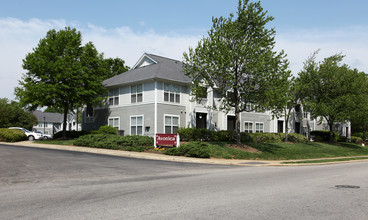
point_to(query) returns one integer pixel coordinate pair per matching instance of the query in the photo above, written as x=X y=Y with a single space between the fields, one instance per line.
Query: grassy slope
x=289 y=151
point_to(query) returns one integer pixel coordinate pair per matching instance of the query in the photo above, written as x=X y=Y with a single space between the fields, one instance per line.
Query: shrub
x=106 y=129
x=357 y=134
x=223 y=136
x=12 y=135
x=111 y=141
x=356 y=140
x=193 y=149
x=321 y=136
x=71 y=134
x=266 y=137
x=296 y=138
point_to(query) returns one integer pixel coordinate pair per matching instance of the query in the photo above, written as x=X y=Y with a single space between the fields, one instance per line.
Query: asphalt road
x=53 y=184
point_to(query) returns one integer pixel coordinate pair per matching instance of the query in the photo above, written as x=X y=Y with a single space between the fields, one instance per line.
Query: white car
x=45 y=136
x=30 y=135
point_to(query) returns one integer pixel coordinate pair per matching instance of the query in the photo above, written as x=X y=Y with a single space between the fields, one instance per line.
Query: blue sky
x=128 y=28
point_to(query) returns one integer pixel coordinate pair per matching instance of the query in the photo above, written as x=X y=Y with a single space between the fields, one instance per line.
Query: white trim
x=113 y=121
x=155 y=113
x=130 y=123
x=142 y=57
x=170 y=115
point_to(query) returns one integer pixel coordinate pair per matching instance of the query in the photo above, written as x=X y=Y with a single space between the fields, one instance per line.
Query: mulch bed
x=243 y=147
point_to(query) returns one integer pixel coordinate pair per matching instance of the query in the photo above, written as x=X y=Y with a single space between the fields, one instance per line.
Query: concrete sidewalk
x=154 y=156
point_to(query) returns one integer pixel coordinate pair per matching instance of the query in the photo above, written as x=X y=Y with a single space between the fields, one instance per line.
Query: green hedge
x=12 y=135
x=194 y=149
x=194 y=134
x=324 y=136
x=106 y=129
x=296 y=138
x=111 y=141
x=71 y=134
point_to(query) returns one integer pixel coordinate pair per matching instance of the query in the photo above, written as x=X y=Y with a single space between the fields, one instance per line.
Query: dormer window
x=171 y=93
x=136 y=93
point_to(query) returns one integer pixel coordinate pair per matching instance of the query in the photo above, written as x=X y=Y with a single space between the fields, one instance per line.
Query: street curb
x=152 y=156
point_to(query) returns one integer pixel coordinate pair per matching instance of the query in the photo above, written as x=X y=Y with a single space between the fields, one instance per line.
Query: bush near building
x=12 y=135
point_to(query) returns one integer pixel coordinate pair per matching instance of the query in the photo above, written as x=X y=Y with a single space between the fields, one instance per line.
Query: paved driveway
x=52 y=184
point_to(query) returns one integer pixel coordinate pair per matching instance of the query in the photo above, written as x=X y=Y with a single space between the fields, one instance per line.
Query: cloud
x=350 y=41
x=18 y=37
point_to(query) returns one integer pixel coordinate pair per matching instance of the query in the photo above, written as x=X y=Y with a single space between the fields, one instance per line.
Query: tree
x=63 y=74
x=12 y=115
x=359 y=107
x=328 y=89
x=237 y=61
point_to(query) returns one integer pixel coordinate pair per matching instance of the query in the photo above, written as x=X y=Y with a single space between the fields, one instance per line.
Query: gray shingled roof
x=50 y=116
x=165 y=69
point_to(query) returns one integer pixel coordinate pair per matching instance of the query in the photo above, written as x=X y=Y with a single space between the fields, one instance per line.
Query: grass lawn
x=289 y=151
x=59 y=142
x=274 y=151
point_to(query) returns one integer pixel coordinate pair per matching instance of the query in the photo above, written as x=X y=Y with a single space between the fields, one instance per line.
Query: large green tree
x=63 y=74
x=359 y=105
x=238 y=61
x=13 y=115
x=328 y=89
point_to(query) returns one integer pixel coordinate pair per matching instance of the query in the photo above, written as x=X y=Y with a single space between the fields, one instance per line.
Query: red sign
x=167 y=140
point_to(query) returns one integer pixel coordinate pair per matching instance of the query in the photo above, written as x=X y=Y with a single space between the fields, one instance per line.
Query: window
x=248 y=127
x=136 y=125
x=305 y=114
x=249 y=107
x=40 y=125
x=114 y=122
x=136 y=93
x=171 y=93
x=114 y=96
x=171 y=124
x=259 y=127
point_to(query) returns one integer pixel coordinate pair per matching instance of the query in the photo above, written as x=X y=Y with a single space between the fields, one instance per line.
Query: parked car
x=45 y=136
x=30 y=135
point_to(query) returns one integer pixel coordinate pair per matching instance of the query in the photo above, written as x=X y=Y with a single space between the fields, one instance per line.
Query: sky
x=129 y=28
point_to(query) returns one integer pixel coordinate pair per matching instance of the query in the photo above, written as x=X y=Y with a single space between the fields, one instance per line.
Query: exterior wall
x=257 y=118
x=169 y=110
x=125 y=113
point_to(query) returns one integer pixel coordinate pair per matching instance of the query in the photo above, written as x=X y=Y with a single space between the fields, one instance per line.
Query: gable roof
x=161 y=68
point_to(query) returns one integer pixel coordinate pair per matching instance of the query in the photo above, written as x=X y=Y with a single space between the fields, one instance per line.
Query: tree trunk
x=237 y=126
x=331 y=132
x=287 y=115
x=65 y=119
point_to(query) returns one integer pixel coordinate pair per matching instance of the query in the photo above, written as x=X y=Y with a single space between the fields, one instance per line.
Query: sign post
x=172 y=140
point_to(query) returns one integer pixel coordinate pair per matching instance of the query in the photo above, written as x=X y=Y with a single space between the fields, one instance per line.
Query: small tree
x=63 y=74
x=237 y=61
x=328 y=89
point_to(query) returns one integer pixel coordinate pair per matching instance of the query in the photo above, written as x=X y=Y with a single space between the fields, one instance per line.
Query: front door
x=280 y=126
x=201 y=120
x=230 y=122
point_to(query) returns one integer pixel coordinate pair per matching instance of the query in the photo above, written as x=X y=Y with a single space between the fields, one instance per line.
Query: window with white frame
x=248 y=127
x=114 y=122
x=114 y=96
x=136 y=125
x=171 y=124
x=259 y=127
x=172 y=93
x=40 y=125
x=136 y=93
